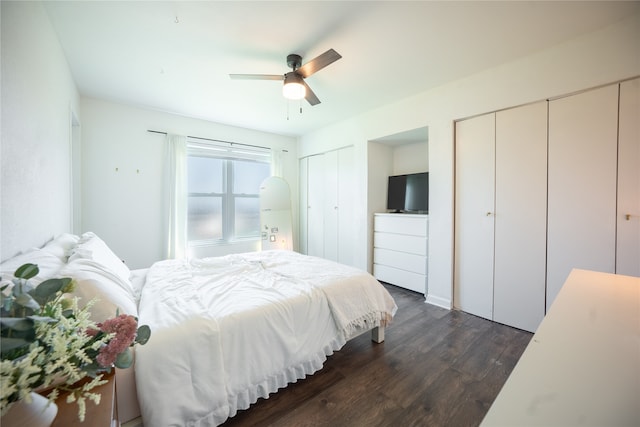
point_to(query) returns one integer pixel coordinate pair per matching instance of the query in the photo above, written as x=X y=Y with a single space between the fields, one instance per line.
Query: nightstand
x=103 y=415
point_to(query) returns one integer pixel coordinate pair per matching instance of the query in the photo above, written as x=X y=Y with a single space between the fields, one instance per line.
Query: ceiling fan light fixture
x=293 y=87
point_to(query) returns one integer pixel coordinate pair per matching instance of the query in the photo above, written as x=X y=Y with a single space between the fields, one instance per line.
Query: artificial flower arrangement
x=48 y=343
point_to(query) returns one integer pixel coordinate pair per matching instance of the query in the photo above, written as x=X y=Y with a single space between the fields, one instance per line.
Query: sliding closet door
x=520 y=216
x=330 y=189
x=474 y=220
x=628 y=241
x=583 y=131
x=304 y=191
x=346 y=206
x=315 y=205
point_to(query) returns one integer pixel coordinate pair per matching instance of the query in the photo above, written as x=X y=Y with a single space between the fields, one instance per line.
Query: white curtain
x=277 y=162
x=176 y=187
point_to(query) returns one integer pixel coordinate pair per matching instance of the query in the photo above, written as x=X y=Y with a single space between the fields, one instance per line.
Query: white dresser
x=400 y=250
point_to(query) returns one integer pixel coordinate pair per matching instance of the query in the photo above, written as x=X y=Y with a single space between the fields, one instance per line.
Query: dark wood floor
x=435 y=368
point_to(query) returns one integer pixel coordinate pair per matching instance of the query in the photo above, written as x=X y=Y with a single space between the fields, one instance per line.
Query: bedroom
x=39 y=105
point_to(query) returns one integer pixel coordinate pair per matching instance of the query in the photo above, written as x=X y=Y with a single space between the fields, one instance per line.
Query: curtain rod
x=215 y=140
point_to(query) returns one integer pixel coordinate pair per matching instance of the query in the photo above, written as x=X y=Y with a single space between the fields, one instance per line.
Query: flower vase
x=38 y=413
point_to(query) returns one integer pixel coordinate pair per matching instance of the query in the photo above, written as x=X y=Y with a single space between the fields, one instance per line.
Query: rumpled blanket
x=229 y=330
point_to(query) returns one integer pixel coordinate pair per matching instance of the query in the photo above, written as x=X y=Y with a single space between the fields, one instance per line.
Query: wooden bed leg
x=377 y=334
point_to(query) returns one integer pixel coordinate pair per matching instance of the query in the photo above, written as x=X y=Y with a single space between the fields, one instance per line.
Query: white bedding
x=229 y=330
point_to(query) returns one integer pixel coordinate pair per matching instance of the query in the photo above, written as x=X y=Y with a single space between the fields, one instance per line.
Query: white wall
x=38 y=98
x=122 y=174
x=602 y=57
x=411 y=158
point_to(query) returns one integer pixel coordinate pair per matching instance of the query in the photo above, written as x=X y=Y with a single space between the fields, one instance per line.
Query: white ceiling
x=177 y=56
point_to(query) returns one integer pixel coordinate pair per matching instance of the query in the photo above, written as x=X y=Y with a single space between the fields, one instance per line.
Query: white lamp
x=293 y=87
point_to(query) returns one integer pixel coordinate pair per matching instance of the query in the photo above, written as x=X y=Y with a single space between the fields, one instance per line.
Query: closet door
x=330 y=188
x=315 y=205
x=628 y=216
x=521 y=216
x=303 y=206
x=474 y=220
x=582 y=185
x=346 y=204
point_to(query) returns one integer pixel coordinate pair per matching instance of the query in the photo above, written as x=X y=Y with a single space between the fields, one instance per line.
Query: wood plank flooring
x=435 y=368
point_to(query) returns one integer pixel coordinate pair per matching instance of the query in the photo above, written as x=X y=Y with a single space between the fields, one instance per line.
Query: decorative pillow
x=93 y=281
x=92 y=247
x=62 y=245
x=48 y=264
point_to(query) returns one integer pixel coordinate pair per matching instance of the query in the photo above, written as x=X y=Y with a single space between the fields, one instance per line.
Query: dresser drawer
x=415 y=225
x=400 y=242
x=405 y=279
x=401 y=260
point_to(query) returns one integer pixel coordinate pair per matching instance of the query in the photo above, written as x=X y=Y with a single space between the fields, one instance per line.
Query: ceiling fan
x=294 y=85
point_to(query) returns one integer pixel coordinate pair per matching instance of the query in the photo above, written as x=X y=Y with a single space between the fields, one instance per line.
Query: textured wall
x=38 y=98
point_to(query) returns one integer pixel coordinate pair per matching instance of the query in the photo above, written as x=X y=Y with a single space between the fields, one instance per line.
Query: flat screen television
x=408 y=193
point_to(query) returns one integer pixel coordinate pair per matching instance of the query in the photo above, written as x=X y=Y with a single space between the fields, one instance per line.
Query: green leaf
x=143 y=335
x=47 y=290
x=43 y=319
x=16 y=323
x=9 y=344
x=27 y=301
x=124 y=359
x=27 y=271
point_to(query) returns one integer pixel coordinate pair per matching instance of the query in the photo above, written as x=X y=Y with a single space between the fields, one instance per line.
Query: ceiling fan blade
x=318 y=63
x=310 y=96
x=257 y=76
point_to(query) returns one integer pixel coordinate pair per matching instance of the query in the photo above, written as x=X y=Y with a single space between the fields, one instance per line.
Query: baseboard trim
x=437 y=301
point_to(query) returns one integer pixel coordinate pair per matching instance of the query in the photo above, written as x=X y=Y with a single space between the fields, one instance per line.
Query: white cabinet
x=500 y=219
x=326 y=205
x=400 y=250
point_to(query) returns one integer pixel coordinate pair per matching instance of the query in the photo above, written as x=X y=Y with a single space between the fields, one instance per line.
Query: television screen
x=417 y=192
x=396 y=192
x=408 y=192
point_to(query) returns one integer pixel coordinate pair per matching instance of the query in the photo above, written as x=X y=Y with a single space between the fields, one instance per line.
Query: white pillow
x=94 y=281
x=92 y=247
x=62 y=245
x=48 y=264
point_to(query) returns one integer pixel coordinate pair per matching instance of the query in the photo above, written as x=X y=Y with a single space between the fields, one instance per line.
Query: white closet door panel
x=403 y=278
x=346 y=206
x=402 y=224
x=330 y=189
x=401 y=260
x=521 y=216
x=474 y=221
x=304 y=191
x=628 y=241
x=401 y=243
x=315 y=207
x=583 y=131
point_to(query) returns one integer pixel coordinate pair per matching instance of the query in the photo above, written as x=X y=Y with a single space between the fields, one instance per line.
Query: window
x=223 y=185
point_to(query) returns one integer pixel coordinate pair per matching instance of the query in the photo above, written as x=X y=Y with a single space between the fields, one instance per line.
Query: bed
x=226 y=331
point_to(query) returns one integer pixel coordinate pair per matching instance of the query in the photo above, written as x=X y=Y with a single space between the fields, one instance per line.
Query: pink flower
x=125 y=328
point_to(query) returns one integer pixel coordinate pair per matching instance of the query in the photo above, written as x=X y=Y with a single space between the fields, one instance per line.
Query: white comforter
x=228 y=330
